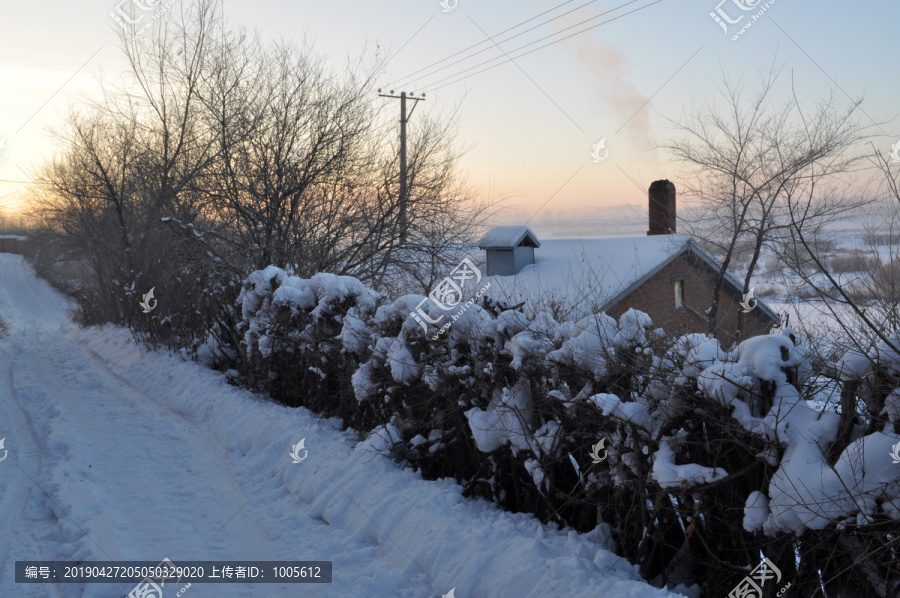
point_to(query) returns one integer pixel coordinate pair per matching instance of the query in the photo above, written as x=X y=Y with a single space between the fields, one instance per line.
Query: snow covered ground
x=116 y=453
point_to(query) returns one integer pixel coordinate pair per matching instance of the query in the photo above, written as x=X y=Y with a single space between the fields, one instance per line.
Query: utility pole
x=404 y=118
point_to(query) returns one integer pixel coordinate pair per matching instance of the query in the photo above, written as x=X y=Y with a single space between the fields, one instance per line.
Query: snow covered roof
x=508 y=237
x=602 y=271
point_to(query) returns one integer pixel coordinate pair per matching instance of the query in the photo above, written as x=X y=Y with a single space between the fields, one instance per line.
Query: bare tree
x=747 y=158
x=219 y=152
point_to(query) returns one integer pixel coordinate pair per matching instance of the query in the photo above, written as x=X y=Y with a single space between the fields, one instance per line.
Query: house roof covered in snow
x=508 y=237
x=598 y=273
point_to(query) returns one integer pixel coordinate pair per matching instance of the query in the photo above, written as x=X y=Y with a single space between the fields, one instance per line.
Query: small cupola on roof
x=508 y=249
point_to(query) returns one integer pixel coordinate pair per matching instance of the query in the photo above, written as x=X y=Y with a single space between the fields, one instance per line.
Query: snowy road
x=120 y=454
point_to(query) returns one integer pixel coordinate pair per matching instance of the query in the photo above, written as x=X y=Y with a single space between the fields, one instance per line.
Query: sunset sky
x=531 y=122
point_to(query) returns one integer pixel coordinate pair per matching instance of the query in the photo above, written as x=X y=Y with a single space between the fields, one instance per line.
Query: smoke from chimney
x=662 y=208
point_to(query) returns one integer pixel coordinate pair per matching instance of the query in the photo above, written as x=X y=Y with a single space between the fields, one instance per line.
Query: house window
x=679 y=293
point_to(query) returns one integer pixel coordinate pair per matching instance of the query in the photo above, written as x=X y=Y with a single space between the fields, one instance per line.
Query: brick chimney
x=662 y=208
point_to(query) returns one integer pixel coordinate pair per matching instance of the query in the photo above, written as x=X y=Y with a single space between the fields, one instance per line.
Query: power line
x=391 y=57
x=455 y=62
x=660 y=89
x=529 y=77
x=546 y=37
x=475 y=45
x=539 y=47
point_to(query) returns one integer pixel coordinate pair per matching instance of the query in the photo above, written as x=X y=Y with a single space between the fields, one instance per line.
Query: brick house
x=667 y=275
x=677 y=291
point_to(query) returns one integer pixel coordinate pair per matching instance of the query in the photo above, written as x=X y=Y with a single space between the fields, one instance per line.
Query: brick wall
x=656 y=297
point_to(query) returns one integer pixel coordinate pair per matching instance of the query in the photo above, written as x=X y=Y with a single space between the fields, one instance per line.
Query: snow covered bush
x=295 y=333
x=698 y=457
x=732 y=462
